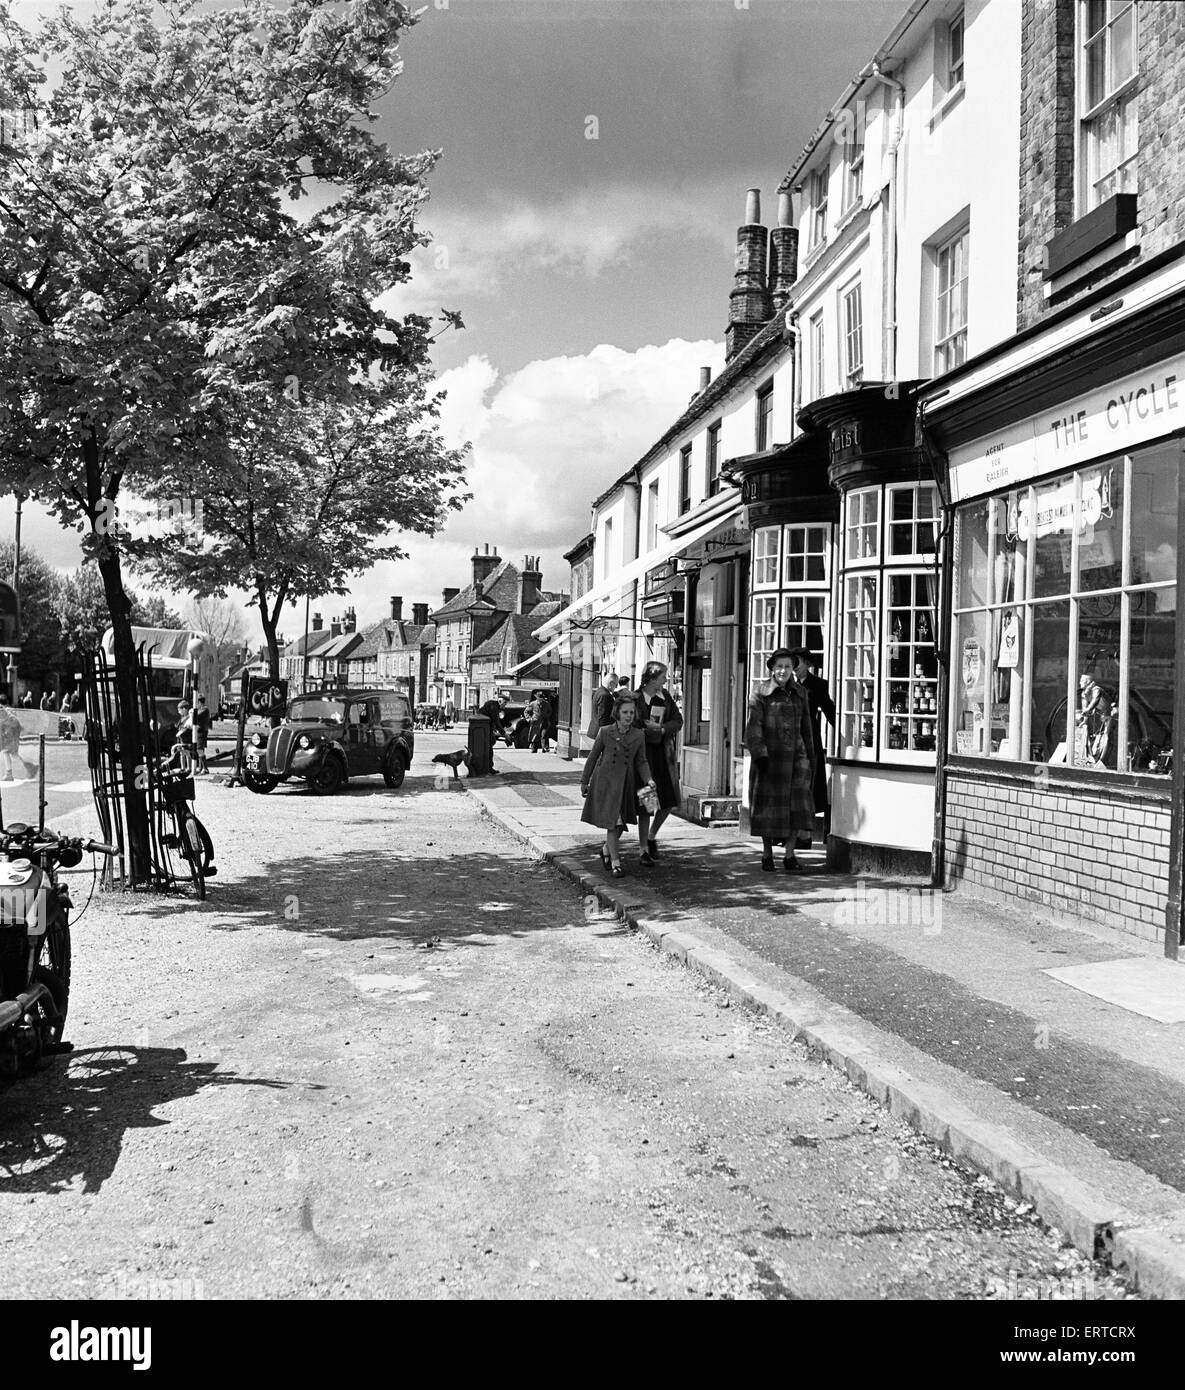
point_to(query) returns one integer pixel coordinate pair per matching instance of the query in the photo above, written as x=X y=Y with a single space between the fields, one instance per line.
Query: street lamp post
x=16 y=589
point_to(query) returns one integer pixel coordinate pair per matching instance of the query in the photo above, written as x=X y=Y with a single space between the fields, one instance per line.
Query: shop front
x=1058 y=783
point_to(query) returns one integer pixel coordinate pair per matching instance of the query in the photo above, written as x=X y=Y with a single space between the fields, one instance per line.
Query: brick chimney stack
x=317 y=624
x=335 y=628
x=396 y=608
x=783 y=254
x=484 y=565
x=530 y=584
x=419 y=614
x=351 y=620
x=450 y=594
x=749 y=305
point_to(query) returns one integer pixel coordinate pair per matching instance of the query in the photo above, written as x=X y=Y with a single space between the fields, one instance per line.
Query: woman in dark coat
x=659 y=718
x=782 y=745
x=614 y=772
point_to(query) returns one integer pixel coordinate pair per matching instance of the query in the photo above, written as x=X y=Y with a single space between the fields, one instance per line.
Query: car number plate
x=253 y=757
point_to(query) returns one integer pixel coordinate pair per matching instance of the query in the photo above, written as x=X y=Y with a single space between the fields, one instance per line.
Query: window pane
x=1095 y=74
x=969 y=676
x=1154 y=514
x=1100 y=545
x=859 y=660
x=1055 y=505
x=1051 y=656
x=971 y=550
x=1096 y=730
x=1122 y=56
x=1151 y=654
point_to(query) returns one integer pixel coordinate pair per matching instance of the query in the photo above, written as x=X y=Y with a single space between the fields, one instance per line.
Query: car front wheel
x=329 y=777
x=394 y=770
x=259 y=781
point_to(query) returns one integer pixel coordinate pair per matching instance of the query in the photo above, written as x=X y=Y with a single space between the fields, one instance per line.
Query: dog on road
x=454 y=760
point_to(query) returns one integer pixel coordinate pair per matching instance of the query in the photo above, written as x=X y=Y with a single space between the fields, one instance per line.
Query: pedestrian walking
x=200 y=719
x=615 y=771
x=27 y=700
x=781 y=743
x=602 y=704
x=65 y=704
x=659 y=717
x=819 y=703
x=541 y=723
x=450 y=712
x=47 y=700
x=184 y=732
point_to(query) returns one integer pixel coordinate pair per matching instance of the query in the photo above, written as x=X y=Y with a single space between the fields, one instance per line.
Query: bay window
x=791 y=580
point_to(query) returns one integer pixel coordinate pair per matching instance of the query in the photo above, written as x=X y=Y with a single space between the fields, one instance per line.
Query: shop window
x=804 y=624
x=1065 y=618
x=767 y=545
x=863 y=526
x=699 y=662
x=763 y=637
x=858 y=698
x=1108 y=133
x=910 y=701
x=913 y=513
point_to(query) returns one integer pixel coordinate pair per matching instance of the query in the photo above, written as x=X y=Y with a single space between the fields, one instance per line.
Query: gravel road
x=392 y=1056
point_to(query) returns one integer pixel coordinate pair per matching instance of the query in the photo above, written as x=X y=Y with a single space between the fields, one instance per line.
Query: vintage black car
x=332 y=737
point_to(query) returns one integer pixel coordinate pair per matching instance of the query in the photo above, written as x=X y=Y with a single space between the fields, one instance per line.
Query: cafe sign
x=1120 y=416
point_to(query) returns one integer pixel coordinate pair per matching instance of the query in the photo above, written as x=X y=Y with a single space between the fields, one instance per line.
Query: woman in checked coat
x=614 y=772
x=782 y=745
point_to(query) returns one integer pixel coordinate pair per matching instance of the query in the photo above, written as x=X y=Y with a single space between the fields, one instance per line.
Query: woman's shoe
x=791 y=865
x=616 y=871
x=604 y=856
x=646 y=859
x=652 y=849
x=767 y=863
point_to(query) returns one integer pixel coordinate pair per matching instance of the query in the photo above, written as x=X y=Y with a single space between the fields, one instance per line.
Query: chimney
x=396 y=608
x=335 y=628
x=783 y=254
x=749 y=306
x=351 y=622
x=705 y=377
x=316 y=622
x=419 y=614
x=530 y=584
x=450 y=594
x=484 y=565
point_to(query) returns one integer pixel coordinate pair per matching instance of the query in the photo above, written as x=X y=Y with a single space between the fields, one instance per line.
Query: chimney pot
x=705 y=376
x=396 y=607
x=785 y=210
x=317 y=622
x=753 y=207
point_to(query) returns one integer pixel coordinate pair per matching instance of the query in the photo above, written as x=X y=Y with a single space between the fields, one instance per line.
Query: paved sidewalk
x=939 y=1004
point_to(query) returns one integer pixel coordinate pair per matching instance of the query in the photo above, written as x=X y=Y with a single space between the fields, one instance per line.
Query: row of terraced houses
x=944 y=455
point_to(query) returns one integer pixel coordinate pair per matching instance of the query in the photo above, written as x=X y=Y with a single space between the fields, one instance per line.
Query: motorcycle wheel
x=394 y=770
x=194 y=852
x=259 y=782
x=54 y=973
x=328 y=778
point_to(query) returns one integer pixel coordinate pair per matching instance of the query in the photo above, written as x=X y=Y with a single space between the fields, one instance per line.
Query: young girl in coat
x=614 y=772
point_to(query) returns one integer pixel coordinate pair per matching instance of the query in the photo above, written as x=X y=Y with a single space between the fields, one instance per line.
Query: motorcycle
x=35 y=911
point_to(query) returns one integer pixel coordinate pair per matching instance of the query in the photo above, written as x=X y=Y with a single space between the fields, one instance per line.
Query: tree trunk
x=270 y=625
x=131 y=739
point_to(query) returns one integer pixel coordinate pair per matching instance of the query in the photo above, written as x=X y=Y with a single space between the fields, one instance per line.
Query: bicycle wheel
x=195 y=853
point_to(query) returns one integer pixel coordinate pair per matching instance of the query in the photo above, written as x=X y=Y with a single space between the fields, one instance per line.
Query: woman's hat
x=782 y=654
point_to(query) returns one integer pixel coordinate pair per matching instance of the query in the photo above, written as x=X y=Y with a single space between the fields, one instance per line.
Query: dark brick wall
x=1077 y=853
x=1047 y=143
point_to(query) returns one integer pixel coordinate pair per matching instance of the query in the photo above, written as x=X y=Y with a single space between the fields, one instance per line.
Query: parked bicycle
x=177 y=826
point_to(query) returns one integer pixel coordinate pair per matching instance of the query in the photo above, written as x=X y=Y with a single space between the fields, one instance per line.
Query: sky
x=594 y=160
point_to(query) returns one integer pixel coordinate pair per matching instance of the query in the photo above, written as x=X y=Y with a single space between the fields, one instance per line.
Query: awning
x=635 y=570
x=551 y=646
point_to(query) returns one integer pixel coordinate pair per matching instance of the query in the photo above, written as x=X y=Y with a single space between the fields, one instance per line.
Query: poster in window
x=1009 y=639
x=972 y=664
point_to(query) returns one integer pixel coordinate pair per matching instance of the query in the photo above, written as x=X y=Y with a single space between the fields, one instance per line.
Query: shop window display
x=1065 y=618
x=795 y=560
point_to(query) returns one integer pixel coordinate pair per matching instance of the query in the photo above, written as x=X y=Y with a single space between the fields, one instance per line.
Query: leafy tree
x=154 y=265
x=154 y=612
x=222 y=620
x=81 y=612
x=41 y=640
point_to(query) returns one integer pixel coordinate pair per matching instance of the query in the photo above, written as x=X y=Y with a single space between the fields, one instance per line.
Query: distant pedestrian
x=200 y=719
x=602 y=704
x=540 y=723
x=65 y=704
x=27 y=700
x=781 y=743
x=615 y=771
x=47 y=700
x=10 y=742
x=184 y=732
x=660 y=720
x=450 y=712
x=820 y=703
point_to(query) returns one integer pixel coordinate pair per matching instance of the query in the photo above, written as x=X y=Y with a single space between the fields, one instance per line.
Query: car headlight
x=304 y=741
x=258 y=741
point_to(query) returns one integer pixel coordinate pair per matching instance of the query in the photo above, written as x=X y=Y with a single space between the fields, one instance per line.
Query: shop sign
x=1122 y=415
x=1056 y=511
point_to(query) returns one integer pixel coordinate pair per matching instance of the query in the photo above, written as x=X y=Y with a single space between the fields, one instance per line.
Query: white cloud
x=473 y=253
x=546 y=441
